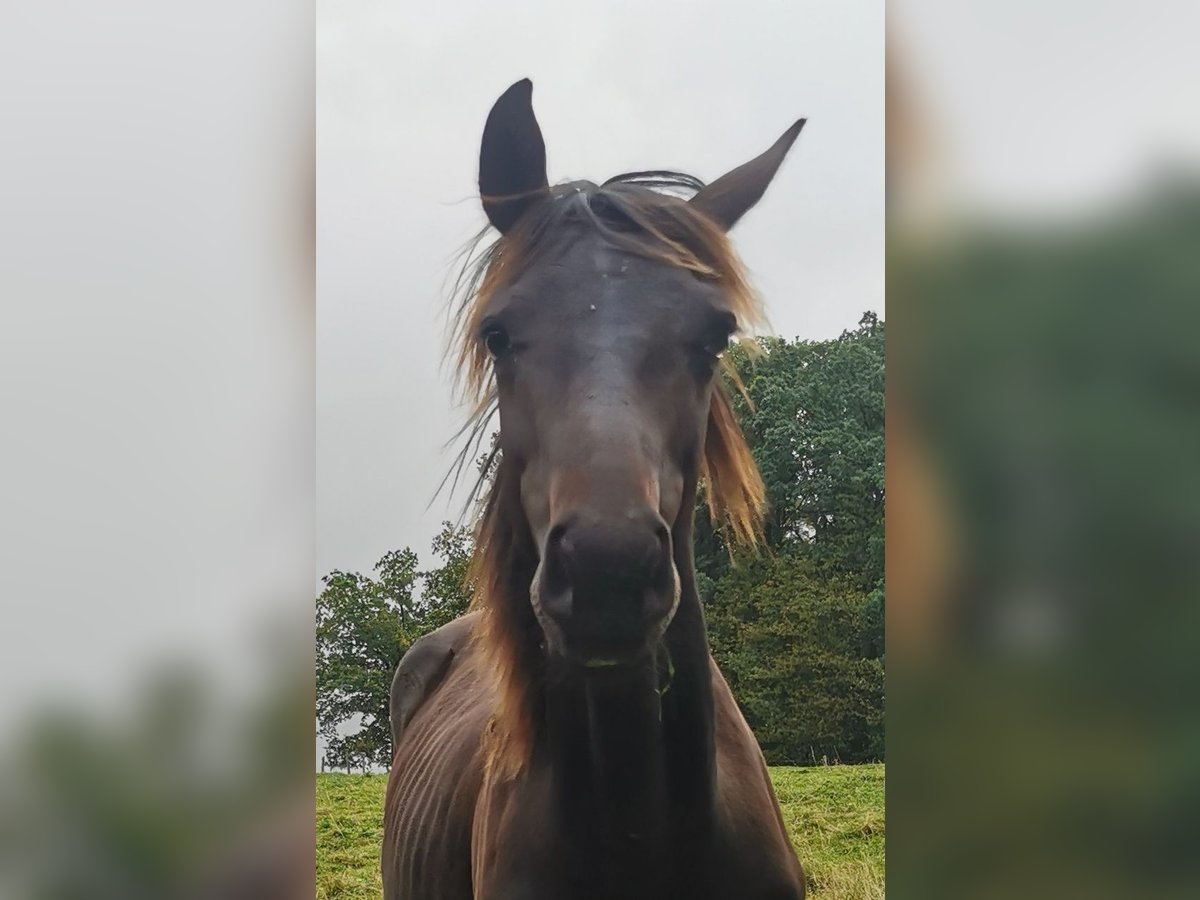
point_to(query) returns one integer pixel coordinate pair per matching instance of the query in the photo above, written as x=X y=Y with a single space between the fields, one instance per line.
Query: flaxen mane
x=642 y=213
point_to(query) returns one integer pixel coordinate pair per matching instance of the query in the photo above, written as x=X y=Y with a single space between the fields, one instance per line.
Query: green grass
x=349 y=834
x=834 y=815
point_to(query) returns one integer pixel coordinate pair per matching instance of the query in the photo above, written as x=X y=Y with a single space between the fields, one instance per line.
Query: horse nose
x=609 y=553
x=608 y=581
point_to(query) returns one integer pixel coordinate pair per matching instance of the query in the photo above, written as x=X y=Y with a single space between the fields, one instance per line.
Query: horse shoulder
x=423 y=668
x=439 y=707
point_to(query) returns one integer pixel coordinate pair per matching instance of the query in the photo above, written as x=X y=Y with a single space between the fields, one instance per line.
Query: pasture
x=834 y=815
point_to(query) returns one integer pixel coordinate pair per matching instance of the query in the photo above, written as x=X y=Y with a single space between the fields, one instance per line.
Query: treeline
x=797 y=628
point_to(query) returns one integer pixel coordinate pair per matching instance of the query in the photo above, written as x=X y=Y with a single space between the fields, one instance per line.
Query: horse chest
x=538 y=855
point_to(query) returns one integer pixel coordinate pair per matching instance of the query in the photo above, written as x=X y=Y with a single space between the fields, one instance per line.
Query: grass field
x=834 y=815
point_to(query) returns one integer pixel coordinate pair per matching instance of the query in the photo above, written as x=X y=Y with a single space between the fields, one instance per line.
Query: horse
x=571 y=736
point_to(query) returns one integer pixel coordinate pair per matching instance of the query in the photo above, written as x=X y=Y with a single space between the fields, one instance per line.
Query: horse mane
x=645 y=213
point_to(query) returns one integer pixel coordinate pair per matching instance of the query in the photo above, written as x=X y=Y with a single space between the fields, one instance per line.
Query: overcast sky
x=701 y=87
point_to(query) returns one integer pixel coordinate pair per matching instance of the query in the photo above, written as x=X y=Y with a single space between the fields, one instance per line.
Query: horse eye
x=718 y=339
x=723 y=335
x=708 y=351
x=495 y=339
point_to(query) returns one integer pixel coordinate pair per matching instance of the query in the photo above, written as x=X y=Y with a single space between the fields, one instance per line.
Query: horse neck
x=606 y=752
x=689 y=735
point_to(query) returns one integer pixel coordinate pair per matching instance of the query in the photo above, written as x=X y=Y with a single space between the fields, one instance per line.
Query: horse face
x=604 y=360
x=604 y=364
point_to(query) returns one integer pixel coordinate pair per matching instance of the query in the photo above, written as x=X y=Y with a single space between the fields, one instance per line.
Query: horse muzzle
x=606 y=587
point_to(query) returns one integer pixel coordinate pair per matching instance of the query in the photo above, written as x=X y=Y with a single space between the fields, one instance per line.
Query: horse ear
x=729 y=197
x=512 y=160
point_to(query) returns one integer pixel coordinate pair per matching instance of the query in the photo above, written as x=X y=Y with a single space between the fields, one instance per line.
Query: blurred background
x=156 y=491
x=1044 y=504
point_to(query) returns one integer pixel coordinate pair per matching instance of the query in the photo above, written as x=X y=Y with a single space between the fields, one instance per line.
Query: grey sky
x=701 y=87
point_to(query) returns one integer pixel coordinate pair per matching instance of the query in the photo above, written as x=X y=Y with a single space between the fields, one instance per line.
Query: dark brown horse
x=571 y=738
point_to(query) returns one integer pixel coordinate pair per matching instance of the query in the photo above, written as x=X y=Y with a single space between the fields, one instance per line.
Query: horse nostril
x=664 y=539
x=557 y=557
x=555 y=537
x=655 y=551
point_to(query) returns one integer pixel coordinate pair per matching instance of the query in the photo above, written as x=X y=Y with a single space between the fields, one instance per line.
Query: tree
x=446 y=592
x=791 y=643
x=799 y=632
x=364 y=627
x=814 y=421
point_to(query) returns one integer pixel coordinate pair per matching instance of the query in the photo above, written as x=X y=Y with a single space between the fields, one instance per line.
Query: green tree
x=365 y=625
x=445 y=590
x=800 y=631
x=814 y=421
x=790 y=641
